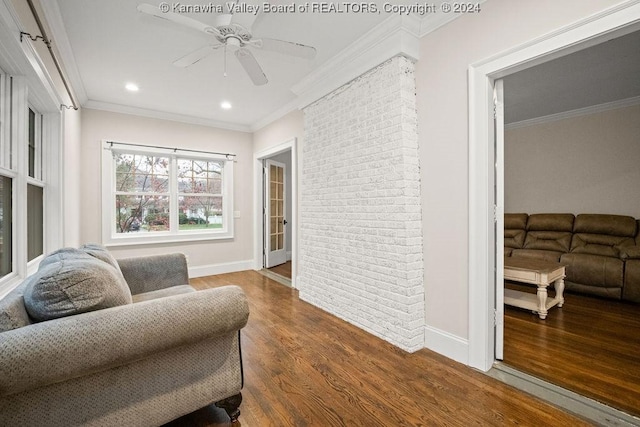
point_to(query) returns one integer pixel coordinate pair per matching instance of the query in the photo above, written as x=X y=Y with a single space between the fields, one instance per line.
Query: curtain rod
x=47 y=42
x=227 y=155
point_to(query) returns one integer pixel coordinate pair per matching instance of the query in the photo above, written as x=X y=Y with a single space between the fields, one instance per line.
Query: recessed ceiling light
x=225 y=105
x=132 y=87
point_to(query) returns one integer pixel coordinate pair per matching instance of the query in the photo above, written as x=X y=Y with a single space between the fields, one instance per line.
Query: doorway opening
x=277 y=214
x=485 y=216
x=276 y=202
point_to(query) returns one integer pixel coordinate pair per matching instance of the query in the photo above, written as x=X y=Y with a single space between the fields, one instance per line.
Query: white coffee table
x=535 y=272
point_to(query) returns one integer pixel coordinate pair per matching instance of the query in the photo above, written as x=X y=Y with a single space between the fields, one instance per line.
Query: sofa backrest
x=601 y=234
x=549 y=232
x=515 y=226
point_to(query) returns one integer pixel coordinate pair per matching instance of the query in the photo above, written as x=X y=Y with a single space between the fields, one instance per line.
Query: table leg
x=542 y=302
x=559 y=286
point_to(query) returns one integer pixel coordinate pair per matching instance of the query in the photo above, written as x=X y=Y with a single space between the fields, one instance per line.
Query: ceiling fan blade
x=178 y=19
x=289 y=48
x=195 y=56
x=251 y=66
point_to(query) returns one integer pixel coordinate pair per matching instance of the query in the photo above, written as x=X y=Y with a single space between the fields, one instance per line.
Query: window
x=5 y=226
x=31 y=202
x=156 y=195
x=6 y=183
x=35 y=190
x=23 y=188
x=199 y=194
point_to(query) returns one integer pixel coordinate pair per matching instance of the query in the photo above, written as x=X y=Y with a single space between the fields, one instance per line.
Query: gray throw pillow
x=68 y=286
x=101 y=253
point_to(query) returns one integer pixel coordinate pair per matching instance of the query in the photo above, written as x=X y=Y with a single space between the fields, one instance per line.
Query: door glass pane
x=5 y=226
x=35 y=229
x=276 y=195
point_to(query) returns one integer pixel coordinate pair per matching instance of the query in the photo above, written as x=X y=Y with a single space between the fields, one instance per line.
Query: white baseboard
x=448 y=345
x=213 y=269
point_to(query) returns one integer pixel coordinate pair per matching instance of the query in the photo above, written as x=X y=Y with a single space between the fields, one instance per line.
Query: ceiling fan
x=232 y=32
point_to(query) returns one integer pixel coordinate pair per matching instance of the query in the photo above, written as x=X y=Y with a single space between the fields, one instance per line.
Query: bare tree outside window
x=142 y=193
x=199 y=194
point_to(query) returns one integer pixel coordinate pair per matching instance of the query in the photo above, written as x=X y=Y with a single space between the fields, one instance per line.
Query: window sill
x=166 y=238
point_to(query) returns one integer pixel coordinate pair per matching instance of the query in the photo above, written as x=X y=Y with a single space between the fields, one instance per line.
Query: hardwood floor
x=282 y=269
x=304 y=367
x=590 y=346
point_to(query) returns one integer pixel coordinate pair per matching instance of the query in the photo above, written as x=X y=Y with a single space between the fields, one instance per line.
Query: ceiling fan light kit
x=232 y=31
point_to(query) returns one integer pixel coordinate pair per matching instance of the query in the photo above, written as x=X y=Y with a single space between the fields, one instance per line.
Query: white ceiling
x=111 y=43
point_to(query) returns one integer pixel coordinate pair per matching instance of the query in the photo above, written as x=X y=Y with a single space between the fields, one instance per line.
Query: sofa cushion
x=613 y=225
x=599 y=244
x=594 y=270
x=550 y=222
x=515 y=221
x=514 y=230
x=604 y=235
x=70 y=286
x=557 y=241
x=161 y=293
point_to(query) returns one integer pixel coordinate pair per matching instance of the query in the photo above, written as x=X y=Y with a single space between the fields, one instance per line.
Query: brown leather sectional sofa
x=601 y=252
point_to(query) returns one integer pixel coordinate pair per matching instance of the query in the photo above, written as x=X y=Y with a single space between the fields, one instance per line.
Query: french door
x=275 y=208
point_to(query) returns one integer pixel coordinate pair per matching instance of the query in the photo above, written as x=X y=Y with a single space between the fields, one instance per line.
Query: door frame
x=614 y=22
x=258 y=193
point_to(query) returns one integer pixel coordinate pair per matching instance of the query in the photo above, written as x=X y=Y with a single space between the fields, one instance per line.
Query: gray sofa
x=140 y=356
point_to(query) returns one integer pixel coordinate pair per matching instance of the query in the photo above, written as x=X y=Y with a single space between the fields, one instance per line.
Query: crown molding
x=397 y=35
x=607 y=106
x=162 y=115
x=58 y=34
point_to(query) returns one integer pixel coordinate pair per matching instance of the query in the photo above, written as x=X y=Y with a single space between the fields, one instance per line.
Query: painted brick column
x=360 y=208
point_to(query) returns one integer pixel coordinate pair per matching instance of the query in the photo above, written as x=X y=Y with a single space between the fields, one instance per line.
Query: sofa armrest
x=75 y=346
x=630 y=252
x=154 y=272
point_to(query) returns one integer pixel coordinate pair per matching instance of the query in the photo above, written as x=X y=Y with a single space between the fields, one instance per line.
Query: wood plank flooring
x=304 y=367
x=590 y=346
x=282 y=269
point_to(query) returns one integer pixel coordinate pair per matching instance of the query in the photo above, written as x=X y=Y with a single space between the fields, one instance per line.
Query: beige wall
x=280 y=131
x=100 y=125
x=442 y=87
x=287 y=127
x=586 y=164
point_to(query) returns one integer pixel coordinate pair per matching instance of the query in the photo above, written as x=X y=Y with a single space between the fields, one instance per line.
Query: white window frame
x=17 y=98
x=109 y=235
x=38 y=179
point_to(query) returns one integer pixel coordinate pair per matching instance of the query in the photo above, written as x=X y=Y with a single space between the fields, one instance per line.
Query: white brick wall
x=360 y=210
